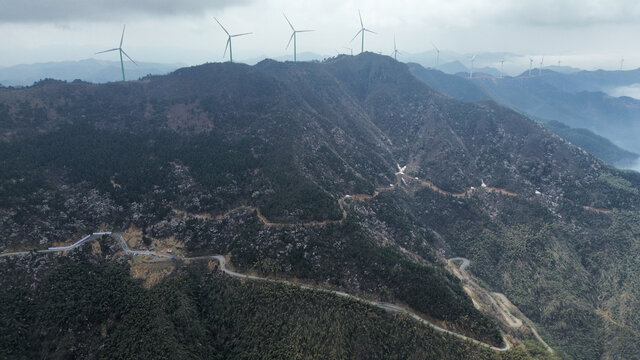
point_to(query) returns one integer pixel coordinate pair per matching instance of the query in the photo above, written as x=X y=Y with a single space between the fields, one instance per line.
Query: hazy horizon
x=588 y=35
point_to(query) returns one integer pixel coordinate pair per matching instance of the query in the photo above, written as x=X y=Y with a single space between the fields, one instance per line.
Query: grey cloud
x=50 y=11
x=572 y=13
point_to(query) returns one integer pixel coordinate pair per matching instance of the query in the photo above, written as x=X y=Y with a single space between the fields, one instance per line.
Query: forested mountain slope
x=550 y=104
x=615 y=118
x=295 y=170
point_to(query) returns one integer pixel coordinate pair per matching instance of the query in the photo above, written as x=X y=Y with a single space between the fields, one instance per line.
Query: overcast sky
x=583 y=33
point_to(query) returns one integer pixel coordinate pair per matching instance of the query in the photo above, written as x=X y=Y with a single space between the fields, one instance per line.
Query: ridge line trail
x=222 y=262
x=362 y=197
x=357 y=197
x=471 y=190
x=267 y=222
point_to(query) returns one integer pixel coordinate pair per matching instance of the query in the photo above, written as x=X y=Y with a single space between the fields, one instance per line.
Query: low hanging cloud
x=50 y=11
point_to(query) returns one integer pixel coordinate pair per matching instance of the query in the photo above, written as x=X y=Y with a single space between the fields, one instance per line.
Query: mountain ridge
x=165 y=159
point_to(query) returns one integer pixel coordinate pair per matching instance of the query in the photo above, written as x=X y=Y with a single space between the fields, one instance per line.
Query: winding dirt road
x=499 y=301
x=222 y=262
x=401 y=178
x=502 y=303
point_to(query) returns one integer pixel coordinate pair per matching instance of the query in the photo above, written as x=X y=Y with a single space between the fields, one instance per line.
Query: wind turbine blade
x=243 y=34
x=373 y=32
x=291 y=38
x=358 y=33
x=226 y=47
x=102 y=52
x=285 y=17
x=129 y=57
x=361 y=24
x=435 y=47
x=225 y=30
x=122 y=37
x=304 y=30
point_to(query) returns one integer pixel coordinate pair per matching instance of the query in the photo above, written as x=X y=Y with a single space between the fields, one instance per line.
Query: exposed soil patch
x=151 y=274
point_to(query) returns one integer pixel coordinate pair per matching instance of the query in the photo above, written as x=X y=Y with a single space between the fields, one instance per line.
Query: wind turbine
x=437 y=54
x=362 y=31
x=395 y=49
x=530 y=65
x=501 y=68
x=119 y=48
x=350 y=49
x=473 y=58
x=229 y=41
x=540 y=69
x=294 y=37
x=621 y=63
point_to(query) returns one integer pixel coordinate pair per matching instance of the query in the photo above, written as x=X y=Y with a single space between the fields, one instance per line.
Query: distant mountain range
x=458 y=68
x=563 y=69
x=576 y=100
x=582 y=80
x=91 y=70
x=99 y=71
x=599 y=123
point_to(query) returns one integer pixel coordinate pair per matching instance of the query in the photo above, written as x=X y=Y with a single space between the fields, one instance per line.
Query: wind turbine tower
x=119 y=49
x=540 y=69
x=473 y=58
x=362 y=31
x=395 y=49
x=501 y=68
x=437 y=55
x=530 y=65
x=228 y=46
x=294 y=37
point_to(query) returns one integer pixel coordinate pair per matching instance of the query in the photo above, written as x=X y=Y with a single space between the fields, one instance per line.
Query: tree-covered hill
x=90 y=309
x=292 y=170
